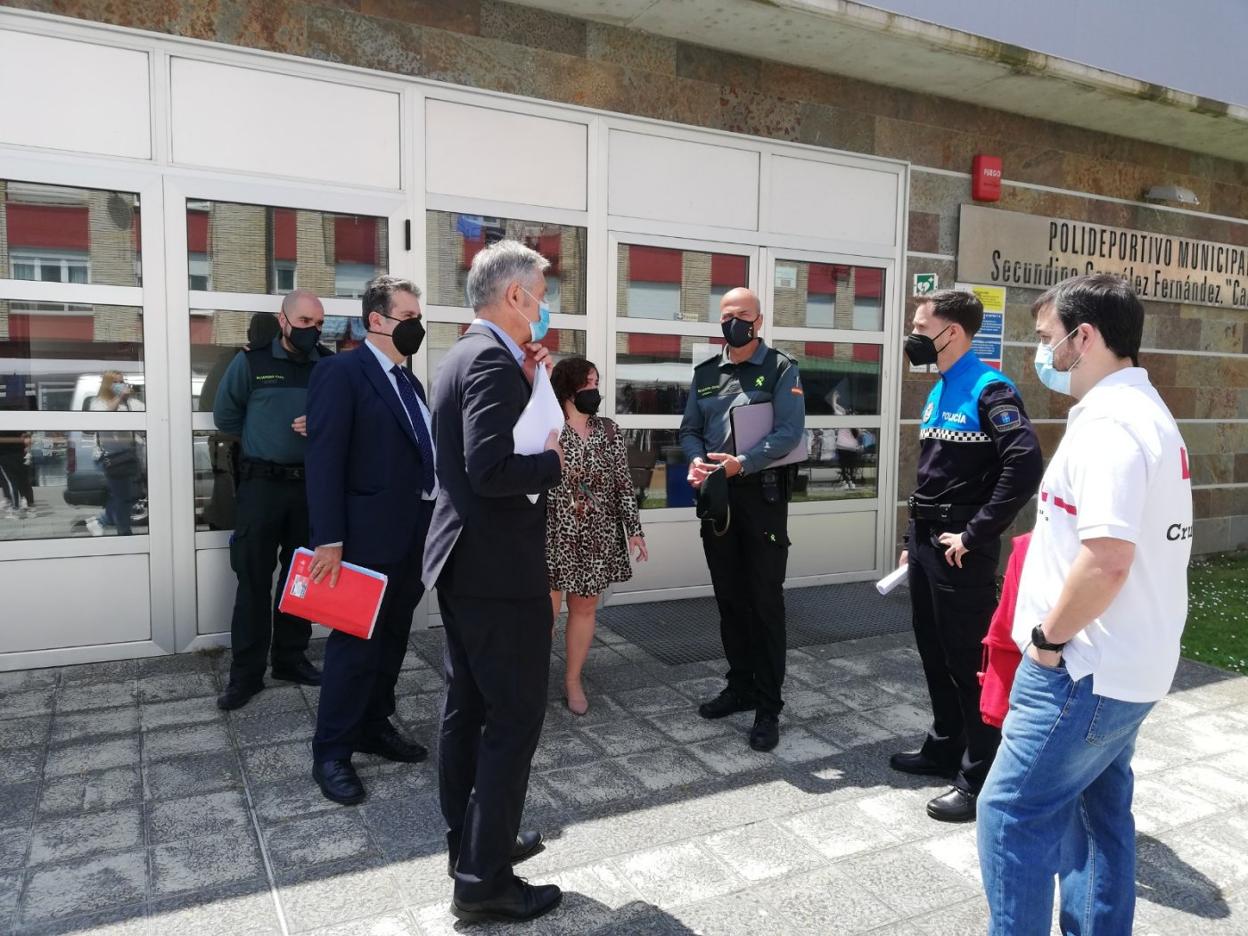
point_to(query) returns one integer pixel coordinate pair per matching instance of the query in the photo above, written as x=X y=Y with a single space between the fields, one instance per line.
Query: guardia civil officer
x=262 y=398
x=746 y=543
x=979 y=463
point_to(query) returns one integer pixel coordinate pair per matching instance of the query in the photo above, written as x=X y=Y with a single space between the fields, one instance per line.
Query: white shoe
x=94 y=527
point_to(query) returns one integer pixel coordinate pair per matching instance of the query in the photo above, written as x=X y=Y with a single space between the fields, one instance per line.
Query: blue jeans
x=1057 y=803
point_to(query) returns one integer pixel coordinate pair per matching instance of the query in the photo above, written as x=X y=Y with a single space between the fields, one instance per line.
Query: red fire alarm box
x=986 y=178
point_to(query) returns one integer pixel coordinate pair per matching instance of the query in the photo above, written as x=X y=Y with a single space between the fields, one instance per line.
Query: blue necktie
x=412 y=405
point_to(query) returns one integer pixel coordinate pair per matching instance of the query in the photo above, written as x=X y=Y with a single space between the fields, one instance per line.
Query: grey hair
x=497 y=266
x=379 y=294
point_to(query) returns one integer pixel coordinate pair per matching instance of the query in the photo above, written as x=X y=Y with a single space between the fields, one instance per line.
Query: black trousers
x=748 y=565
x=271 y=522
x=358 y=677
x=951 y=611
x=497 y=665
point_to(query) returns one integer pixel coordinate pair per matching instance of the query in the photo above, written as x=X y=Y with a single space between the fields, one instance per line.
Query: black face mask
x=922 y=350
x=587 y=401
x=304 y=340
x=738 y=332
x=407 y=336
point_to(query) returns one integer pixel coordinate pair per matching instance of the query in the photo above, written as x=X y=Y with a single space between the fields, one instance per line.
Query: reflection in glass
x=52 y=356
x=843 y=464
x=72 y=483
x=658 y=468
x=840 y=379
x=561 y=342
x=828 y=295
x=215 y=456
x=258 y=249
x=653 y=373
x=452 y=240
x=56 y=234
x=675 y=285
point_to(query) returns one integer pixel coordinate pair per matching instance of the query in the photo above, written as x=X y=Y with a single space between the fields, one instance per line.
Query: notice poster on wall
x=987 y=344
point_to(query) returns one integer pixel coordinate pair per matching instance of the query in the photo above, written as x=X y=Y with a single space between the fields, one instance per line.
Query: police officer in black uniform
x=745 y=537
x=262 y=399
x=979 y=463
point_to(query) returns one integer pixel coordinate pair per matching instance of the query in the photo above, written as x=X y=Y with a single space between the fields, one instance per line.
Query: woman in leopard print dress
x=592 y=523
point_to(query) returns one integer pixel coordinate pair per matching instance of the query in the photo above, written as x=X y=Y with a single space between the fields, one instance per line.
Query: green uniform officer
x=262 y=398
x=747 y=550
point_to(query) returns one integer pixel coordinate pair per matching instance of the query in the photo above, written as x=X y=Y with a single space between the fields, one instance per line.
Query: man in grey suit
x=486 y=553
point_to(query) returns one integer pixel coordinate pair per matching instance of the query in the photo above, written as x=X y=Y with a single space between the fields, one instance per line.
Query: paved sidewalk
x=130 y=805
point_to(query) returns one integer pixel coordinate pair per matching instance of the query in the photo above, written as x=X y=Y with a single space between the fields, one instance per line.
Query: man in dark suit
x=371 y=489
x=487 y=555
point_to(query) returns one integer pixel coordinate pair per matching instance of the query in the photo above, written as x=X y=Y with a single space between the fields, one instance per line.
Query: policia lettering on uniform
x=262 y=398
x=743 y=504
x=979 y=463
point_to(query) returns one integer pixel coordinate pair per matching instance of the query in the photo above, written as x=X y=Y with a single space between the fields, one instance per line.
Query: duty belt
x=942 y=513
x=252 y=468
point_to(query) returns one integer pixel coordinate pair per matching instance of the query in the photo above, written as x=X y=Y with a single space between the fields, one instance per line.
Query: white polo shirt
x=1120 y=472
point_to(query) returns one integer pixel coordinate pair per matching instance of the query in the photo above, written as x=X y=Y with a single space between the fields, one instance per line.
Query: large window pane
x=658 y=468
x=842 y=464
x=258 y=249
x=54 y=356
x=653 y=373
x=56 y=234
x=840 y=379
x=454 y=239
x=675 y=285
x=75 y=483
x=561 y=342
x=828 y=295
x=215 y=458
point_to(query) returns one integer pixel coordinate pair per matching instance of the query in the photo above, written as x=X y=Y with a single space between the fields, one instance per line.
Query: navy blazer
x=363 y=462
x=486 y=539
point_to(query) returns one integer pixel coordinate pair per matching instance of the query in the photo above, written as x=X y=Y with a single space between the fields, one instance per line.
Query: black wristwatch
x=1039 y=641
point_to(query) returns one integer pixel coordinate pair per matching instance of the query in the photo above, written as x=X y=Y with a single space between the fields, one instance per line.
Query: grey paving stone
x=180 y=740
x=208 y=861
x=969 y=916
x=226 y=911
x=602 y=708
x=181 y=820
x=30 y=702
x=286 y=799
x=652 y=700
x=1209 y=783
x=1159 y=806
x=274 y=729
x=277 y=697
x=197 y=711
x=173 y=686
x=77 y=726
x=839 y=830
x=27 y=680
x=116 y=921
x=560 y=749
x=688 y=727
x=591 y=784
x=798 y=745
x=330 y=895
x=745 y=913
x=664 y=769
x=90 y=834
x=108 y=672
x=812 y=900
x=17 y=801
x=14 y=845
x=318 y=839
x=175 y=663
x=616 y=679
x=904 y=812
x=92 y=696
x=699 y=689
x=802 y=703
x=421 y=877
x=10 y=889
x=902 y=879
x=278 y=761
x=677 y=874
x=387 y=924
x=87 y=756
x=616 y=739
x=405 y=827
x=84 y=886
x=188 y=776
x=731 y=754
x=418 y=710
x=402 y=781
x=902 y=719
x=101 y=789
x=31 y=731
x=957 y=850
x=761 y=851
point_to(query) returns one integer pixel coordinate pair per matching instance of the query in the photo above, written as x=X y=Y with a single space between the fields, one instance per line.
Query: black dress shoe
x=726 y=703
x=519 y=902
x=916 y=762
x=237 y=694
x=338 y=781
x=297 y=671
x=954 y=806
x=765 y=734
x=527 y=845
x=388 y=743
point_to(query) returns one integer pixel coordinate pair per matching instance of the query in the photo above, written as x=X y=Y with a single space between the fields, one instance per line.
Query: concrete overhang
x=847 y=38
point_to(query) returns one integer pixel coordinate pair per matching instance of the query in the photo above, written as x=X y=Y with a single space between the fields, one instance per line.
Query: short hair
x=957 y=306
x=1106 y=302
x=262 y=330
x=569 y=376
x=494 y=267
x=379 y=294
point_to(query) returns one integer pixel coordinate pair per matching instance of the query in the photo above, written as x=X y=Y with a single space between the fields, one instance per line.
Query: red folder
x=351 y=606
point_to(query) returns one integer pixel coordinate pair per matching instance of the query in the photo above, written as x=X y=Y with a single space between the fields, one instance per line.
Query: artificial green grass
x=1217 y=615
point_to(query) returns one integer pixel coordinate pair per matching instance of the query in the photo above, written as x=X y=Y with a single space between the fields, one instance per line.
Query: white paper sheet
x=899 y=576
x=540 y=418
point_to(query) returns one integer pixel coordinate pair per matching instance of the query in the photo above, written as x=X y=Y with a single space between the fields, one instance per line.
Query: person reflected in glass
x=118 y=456
x=593 y=527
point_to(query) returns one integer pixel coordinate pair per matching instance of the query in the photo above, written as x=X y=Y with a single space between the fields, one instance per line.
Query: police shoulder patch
x=1005 y=418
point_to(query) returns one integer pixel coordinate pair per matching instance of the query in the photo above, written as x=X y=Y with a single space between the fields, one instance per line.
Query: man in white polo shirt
x=1101 y=607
